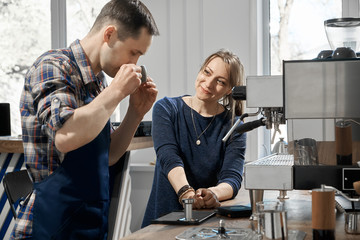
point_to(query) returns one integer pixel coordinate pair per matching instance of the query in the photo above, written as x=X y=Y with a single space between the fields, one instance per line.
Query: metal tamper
x=188 y=208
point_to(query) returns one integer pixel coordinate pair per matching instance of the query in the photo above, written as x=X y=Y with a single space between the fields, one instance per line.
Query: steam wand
x=246 y=126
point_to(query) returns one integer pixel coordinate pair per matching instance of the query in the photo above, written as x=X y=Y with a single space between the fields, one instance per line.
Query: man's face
x=117 y=52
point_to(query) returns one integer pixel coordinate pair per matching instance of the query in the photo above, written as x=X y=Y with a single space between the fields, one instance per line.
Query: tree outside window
x=25 y=34
x=25 y=30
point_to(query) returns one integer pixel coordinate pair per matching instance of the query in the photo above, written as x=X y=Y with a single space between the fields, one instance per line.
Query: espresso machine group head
x=264 y=93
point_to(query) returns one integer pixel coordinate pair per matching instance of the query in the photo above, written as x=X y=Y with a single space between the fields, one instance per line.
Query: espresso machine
x=314 y=97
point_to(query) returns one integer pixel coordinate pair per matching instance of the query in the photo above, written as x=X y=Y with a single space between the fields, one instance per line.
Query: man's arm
x=140 y=103
x=121 y=138
x=88 y=121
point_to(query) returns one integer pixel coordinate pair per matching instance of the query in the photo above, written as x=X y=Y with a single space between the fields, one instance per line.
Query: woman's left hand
x=205 y=198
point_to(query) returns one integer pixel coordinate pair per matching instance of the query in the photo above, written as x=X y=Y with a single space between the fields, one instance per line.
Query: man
x=65 y=110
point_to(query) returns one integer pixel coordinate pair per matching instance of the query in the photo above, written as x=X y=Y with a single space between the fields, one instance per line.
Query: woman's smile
x=204 y=90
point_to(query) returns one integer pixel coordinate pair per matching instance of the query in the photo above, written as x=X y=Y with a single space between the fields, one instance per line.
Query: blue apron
x=73 y=202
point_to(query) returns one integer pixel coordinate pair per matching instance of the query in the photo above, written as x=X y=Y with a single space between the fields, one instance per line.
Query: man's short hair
x=129 y=16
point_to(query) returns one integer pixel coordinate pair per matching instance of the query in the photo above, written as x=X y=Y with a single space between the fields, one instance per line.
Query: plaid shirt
x=55 y=85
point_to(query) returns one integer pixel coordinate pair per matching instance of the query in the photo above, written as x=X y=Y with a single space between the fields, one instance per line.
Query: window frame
x=58 y=24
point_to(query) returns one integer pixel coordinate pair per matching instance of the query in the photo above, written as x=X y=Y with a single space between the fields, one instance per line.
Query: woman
x=192 y=161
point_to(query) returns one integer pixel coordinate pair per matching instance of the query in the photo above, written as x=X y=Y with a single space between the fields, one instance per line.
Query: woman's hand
x=205 y=198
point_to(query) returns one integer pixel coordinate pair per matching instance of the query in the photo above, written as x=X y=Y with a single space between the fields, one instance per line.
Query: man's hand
x=126 y=81
x=144 y=97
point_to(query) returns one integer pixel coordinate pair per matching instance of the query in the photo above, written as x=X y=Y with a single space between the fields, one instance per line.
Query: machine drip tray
x=197 y=233
x=178 y=218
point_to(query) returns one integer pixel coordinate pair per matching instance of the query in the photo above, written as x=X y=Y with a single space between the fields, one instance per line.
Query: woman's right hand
x=205 y=198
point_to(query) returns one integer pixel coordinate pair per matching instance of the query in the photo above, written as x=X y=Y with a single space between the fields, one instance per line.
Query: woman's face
x=212 y=82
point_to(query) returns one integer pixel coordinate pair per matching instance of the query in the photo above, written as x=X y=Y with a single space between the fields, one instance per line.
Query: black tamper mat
x=178 y=218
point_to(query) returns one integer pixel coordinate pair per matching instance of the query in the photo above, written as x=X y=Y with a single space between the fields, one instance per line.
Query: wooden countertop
x=15 y=145
x=299 y=218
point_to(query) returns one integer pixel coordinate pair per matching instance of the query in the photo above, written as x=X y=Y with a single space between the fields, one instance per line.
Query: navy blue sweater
x=206 y=165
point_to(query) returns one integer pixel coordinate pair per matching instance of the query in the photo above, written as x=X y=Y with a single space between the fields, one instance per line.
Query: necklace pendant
x=198 y=142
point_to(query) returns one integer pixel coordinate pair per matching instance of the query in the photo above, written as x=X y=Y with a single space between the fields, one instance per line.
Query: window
x=80 y=16
x=297 y=32
x=25 y=33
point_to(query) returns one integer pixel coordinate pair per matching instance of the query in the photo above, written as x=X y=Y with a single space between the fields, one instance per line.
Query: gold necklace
x=198 y=142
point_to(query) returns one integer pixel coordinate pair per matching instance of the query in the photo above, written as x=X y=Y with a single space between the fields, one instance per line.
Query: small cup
x=352 y=222
x=272 y=220
x=305 y=152
x=143 y=74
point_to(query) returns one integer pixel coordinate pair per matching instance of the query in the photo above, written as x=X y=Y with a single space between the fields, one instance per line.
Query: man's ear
x=110 y=34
